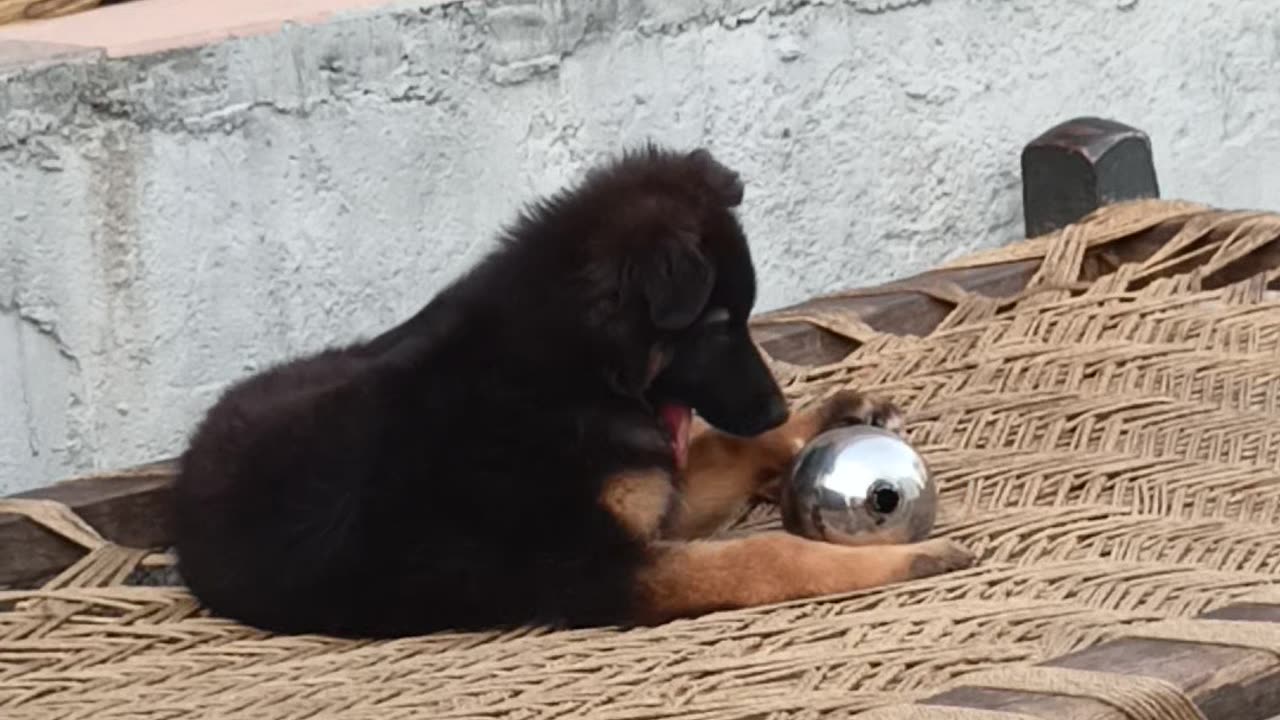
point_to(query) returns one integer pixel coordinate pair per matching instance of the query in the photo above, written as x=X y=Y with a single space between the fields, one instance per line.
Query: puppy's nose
x=775 y=412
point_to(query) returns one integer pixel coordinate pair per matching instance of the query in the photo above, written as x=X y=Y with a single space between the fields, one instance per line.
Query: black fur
x=446 y=473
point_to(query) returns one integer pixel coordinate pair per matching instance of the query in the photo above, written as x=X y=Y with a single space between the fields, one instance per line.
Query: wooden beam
x=895 y=308
x=1224 y=682
x=901 y=312
x=130 y=507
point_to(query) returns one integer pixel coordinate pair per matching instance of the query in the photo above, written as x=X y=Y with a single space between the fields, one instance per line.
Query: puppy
x=523 y=450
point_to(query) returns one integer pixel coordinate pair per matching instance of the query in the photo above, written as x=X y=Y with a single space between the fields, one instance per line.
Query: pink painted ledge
x=148 y=26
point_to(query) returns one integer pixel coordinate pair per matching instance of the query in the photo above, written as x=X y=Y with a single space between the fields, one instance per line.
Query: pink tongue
x=677 y=418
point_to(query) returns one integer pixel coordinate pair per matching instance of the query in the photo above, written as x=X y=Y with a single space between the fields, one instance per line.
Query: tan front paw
x=935 y=557
x=849 y=407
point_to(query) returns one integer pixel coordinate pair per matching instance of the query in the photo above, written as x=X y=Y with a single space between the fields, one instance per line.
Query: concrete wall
x=171 y=222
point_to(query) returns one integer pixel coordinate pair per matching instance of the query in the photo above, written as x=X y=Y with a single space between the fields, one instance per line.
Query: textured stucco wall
x=172 y=222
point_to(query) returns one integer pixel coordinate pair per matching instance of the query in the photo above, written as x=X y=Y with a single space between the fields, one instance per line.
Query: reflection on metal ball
x=859 y=485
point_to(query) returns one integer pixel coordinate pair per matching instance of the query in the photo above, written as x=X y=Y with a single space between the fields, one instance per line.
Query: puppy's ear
x=724 y=183
x=675 y=279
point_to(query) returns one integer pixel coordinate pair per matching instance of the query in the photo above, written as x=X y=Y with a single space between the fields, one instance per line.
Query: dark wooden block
x=1081 y=165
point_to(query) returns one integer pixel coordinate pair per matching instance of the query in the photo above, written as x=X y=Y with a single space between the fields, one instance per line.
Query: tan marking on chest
x=639 y=501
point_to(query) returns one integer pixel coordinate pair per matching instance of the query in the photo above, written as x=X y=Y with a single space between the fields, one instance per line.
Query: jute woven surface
x=1108 y=441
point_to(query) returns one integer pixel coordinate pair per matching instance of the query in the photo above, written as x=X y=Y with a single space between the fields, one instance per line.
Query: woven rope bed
x=1108 y=441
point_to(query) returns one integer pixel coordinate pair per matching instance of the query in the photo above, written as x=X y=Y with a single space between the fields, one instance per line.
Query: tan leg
x=724 y=472
x=693 y=578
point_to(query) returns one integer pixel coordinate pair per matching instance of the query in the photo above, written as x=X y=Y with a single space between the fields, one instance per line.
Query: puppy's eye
x=716 y=316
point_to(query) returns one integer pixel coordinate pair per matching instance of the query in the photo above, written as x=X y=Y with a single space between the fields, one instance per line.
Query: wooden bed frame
x=1069 y=171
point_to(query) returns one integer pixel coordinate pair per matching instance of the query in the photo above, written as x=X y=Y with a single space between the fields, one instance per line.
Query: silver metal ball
x=859 y=485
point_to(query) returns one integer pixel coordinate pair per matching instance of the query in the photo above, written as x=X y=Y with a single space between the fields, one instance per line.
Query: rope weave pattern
x=1108 y=441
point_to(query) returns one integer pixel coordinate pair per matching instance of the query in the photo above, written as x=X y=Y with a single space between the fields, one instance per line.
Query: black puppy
x=520 y=450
